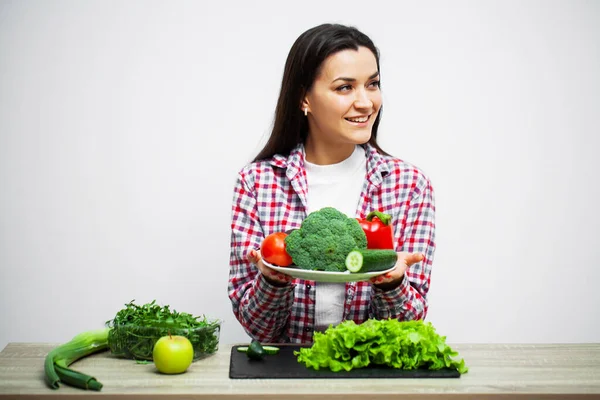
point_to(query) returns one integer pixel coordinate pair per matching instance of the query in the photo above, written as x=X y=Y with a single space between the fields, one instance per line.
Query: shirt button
x=308 y=287
x=307 y=329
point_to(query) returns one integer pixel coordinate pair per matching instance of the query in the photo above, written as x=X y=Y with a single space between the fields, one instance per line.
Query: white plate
x=326 y=276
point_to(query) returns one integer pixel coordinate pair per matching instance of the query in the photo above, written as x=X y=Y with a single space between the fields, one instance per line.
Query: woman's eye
x=376 y=84
x=344 y=88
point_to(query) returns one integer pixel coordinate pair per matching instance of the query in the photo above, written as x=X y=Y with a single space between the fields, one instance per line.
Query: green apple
x=172 y=354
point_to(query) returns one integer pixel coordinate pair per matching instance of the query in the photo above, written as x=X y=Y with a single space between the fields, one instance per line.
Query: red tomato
x=273 y=251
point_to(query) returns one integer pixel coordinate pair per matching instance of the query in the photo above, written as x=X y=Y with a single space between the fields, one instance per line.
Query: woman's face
x=343 y=101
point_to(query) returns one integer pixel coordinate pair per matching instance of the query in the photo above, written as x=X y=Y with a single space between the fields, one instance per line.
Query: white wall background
x=123 y=125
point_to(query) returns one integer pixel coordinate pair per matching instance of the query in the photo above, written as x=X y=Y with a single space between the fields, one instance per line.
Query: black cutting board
x=285 y=365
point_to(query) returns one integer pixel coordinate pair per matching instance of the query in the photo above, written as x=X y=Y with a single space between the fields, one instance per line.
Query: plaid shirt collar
x=377 y=166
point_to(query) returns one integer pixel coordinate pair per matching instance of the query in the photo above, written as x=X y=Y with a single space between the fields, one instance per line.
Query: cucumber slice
x=271 y=350
x=354 y=261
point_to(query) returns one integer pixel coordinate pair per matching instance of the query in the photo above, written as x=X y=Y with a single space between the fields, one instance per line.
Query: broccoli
x=324 y=240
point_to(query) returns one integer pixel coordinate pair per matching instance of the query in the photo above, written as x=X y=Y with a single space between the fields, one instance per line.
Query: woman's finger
x=414 y=258
x=253 y=256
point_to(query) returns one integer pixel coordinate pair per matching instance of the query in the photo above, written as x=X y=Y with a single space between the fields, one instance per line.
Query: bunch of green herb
x=396 y=344
x=135 y=329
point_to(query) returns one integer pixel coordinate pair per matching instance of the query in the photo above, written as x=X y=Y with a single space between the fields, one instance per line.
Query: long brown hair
x=301 y=69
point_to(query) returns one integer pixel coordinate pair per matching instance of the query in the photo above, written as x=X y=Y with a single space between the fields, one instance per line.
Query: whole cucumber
x=370 y=260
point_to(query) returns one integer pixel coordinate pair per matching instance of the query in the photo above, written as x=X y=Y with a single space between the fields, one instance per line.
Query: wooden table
x=495 y=371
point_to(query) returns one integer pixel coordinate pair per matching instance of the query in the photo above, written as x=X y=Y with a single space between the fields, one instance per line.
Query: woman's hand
x=393 y=278
x=273 y=277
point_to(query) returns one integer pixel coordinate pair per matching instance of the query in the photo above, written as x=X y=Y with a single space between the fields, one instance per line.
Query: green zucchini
x=255 y=351
x=370 y=260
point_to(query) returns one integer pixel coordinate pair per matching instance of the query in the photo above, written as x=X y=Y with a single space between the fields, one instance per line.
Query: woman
x=323 y=152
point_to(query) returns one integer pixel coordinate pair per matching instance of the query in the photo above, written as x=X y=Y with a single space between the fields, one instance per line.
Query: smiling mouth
x=359 y=120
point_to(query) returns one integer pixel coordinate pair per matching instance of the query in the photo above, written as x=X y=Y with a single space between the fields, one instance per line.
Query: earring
x=305 y=111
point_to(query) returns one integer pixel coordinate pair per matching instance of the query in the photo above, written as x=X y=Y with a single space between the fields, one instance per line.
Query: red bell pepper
x=377 y=226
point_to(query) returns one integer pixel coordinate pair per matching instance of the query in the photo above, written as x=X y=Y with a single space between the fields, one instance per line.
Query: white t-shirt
x=339 y=186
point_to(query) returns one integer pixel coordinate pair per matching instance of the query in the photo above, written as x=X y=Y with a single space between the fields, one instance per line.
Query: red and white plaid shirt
x=271 y=196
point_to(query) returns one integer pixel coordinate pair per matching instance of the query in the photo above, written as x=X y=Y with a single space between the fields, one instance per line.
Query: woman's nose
x=362 y=100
